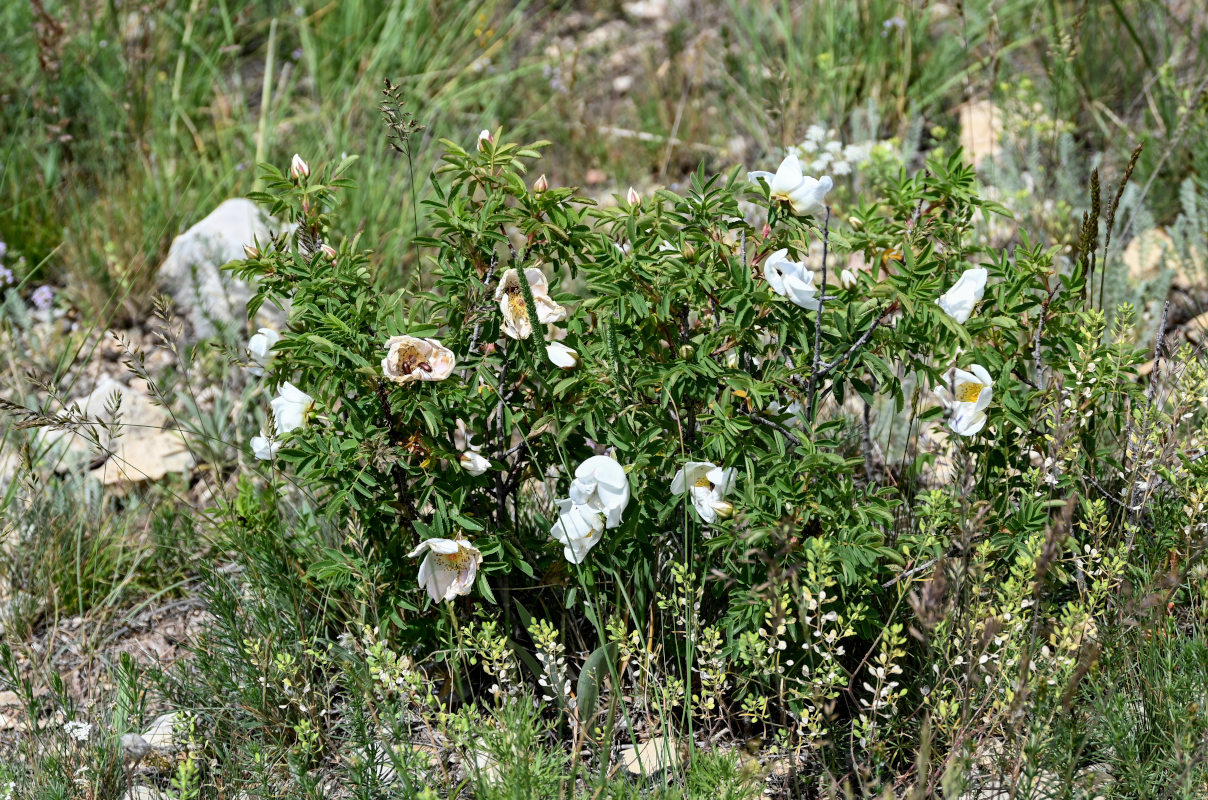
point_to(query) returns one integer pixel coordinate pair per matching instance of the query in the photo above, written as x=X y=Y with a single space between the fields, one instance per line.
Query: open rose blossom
x=968 y=398
x=291 y=407
x=578 y=529
x=790 y=185
x=508 y=294
x=601 y=484
x=791 y=279
x=449 y=568
x=411 y=359
x=707 y=485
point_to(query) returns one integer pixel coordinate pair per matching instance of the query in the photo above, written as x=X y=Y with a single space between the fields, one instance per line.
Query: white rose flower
x=959 y=301
x=516 y=322
x=578 y=529
x=474 y=463
x=291 y=407
x=707 y=485
x=265 y=448
x=449 y=567
x=968 y=398
x=791 y=279
x=260 y=346
x=806 y=195
x=413 y=359
x=601 y=484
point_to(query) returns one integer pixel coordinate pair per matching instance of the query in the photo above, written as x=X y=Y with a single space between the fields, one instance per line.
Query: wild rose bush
x=655 y=417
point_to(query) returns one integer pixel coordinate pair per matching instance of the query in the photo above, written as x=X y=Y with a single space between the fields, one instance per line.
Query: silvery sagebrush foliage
x=443 y=414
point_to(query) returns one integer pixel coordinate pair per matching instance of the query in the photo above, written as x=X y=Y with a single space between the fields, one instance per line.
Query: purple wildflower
x=43 y=297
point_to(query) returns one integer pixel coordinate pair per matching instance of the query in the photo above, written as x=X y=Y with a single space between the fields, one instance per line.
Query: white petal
x=677 y=483
x=264 y=448
x=443 y=546
x=982 y=375
x=561 y=355
x=788 y=178
x=474 y=463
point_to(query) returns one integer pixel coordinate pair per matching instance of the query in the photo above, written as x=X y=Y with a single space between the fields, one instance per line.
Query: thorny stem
x=487 y=283
x=828 y=367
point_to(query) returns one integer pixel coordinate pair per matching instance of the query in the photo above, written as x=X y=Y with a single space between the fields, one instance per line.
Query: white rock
x=143 y=793
x=1148 y=254
x=192 y=273
x=650 y=757
x=146 y=445
x=162 y=733
x=981 y=128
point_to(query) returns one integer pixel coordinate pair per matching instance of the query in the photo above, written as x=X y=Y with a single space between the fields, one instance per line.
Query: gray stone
x=162 y=733
x=210 y=297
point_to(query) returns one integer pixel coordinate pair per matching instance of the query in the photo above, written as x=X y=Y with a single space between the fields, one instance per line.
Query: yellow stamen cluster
x=454 y=561
x=968 y=392
x=516 y=299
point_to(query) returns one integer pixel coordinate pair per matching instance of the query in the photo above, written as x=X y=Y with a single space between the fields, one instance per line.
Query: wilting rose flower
x=959 y=301
x=601 y=484
x=413 y=359
x=291 y=407
x=968 y=398
x=508 y=294
x=578 y=529
x=264 y=447
x=791 y=279
x=707 y=485
x=260 y=345
x=790 y=185
x=449 y=567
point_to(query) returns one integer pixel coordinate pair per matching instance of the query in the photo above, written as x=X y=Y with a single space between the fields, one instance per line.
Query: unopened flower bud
x=298 y=169
x=485 y=138
x=848 y=278
x=724 y=509
x=688 y=251
x=686 y=351
x=732 y=359
x=540 y=185
x=251 y=251
x=632 y=197
x=767 y=230
x=328 y=252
